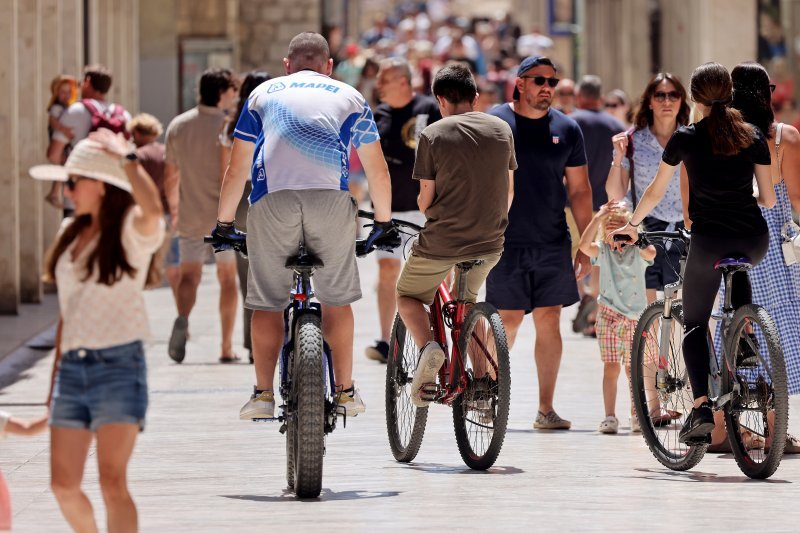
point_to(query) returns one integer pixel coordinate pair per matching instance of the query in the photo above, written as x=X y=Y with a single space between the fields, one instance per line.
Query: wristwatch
x=130 y=157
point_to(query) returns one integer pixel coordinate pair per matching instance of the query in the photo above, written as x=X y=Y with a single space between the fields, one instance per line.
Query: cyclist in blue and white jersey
x=292 y=139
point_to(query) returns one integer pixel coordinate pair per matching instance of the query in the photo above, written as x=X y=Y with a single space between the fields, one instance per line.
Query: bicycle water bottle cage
x=304 y=263
x=733 y=264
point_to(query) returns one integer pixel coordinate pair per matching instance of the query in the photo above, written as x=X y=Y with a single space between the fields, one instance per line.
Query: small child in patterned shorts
x=622 y=299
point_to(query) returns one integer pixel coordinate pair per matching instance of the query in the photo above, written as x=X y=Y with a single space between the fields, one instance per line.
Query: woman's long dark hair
x=108 y=257
x=251 y=81
x=711 y=86
x=644 y=116
x=752 y=95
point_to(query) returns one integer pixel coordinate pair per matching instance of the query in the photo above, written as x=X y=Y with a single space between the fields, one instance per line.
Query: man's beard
x=542 y=104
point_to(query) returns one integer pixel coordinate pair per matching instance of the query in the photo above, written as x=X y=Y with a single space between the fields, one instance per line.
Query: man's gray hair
x=398 y=64
x=590 y=87
x=308 y=49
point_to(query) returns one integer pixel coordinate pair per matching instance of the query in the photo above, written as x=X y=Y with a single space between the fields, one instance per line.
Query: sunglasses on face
x=613 y=105
x=541 y=80
x=661 y=97
x=72 y=182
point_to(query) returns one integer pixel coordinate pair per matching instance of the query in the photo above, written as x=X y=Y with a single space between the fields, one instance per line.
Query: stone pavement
x=198 y=468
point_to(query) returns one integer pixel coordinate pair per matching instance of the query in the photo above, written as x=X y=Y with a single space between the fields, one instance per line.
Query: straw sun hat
x=86 y=159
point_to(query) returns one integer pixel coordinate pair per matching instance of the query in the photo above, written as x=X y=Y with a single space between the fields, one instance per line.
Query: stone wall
x=265 y=28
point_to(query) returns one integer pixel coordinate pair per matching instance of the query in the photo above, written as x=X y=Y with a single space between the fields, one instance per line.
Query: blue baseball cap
x=527 y=64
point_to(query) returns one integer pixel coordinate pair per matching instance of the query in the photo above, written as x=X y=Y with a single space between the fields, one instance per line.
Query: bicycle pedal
x=429 y=392
x=697 y=441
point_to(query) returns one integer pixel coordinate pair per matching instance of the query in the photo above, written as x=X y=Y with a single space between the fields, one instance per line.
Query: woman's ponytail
x=711 y=86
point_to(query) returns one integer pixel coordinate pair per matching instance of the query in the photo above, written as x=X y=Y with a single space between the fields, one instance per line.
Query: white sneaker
x=609 y=425
x=261 y=405
x=635 y=427
x=430 y=361
x=353 y=404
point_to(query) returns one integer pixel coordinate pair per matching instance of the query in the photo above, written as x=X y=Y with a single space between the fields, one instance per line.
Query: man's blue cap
x=527 y=64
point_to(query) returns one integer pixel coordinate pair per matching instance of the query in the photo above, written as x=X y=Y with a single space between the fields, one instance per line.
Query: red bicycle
x=475 y=379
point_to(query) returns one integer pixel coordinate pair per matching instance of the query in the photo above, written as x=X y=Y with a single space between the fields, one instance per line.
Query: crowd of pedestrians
x=457 y=122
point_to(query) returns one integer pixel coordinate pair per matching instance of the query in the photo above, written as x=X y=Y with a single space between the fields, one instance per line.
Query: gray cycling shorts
x=325 y=220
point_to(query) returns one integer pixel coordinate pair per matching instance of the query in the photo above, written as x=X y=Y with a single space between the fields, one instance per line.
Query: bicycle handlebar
x=237 y=246
x=402 y=223
x=646 y=236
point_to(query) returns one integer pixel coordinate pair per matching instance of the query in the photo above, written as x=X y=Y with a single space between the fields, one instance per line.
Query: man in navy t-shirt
x=536 y=273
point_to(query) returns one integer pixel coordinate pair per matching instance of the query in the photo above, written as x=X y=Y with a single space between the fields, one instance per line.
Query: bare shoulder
x=790 y=136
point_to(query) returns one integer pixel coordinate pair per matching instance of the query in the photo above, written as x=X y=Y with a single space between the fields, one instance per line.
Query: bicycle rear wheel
x=480 y=413
x=405 y=423
x=760 y=407
x=661 y=410
x=308 y=387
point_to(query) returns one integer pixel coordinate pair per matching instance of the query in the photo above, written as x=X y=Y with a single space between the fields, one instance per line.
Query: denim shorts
x=98 y=387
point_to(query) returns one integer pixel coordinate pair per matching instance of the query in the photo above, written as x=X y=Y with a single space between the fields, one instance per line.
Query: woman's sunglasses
x=541 y=80
x=613 y=105
x=72 y=182
x=661 y=97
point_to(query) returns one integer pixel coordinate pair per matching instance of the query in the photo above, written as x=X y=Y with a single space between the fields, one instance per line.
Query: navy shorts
x=666 y=264
x=98 y=387
x=527 y=278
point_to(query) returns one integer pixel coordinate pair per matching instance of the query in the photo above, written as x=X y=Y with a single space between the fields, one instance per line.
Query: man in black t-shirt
x=536 y=272
x=401 y=117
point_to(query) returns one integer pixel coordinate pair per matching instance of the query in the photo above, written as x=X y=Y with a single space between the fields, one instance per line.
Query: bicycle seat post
x=461 y=282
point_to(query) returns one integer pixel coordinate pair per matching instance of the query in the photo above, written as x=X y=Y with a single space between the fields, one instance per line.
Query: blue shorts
x=666 y=264
x=527 y=278
x=98 y=387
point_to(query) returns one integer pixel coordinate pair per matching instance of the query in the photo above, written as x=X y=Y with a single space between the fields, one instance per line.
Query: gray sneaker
x=550 y=421
x=177 y=340
x=261 y=405
x=430 y=361
x=352 y=403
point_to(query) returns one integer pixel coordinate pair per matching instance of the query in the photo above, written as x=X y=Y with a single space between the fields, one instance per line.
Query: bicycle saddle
x=733 y=264
x=304 y=261
x=467 y=265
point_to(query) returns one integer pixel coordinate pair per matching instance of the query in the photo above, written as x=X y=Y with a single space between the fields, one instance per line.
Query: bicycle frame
x=301 y=303
x=714 y=380
x=444 y=309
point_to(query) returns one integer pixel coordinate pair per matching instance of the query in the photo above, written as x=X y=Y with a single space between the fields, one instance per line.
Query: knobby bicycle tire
x=309 y=399
x=662 y=439
x=405 y=423
x=773 y=395
x=471 y=418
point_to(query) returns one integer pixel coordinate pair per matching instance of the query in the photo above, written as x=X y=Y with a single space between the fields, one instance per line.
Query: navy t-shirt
x=544 y=148
x=721 y=201
x=598 y=127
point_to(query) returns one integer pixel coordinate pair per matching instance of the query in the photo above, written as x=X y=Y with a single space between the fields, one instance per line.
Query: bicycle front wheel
x=405 y=422
x=308 y=389
x=480 y=413
x=660 y=408
x=757 y=415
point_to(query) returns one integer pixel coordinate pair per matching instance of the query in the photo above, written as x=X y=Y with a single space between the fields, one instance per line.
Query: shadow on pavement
x=702 y=477
x=437 y=468
x=326 y=495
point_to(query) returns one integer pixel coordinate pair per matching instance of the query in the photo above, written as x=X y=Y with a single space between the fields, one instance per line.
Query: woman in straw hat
x=100 y=261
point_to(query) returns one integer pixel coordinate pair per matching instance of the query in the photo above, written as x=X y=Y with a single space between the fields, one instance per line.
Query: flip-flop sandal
x=792 y=445
x=665 y=418
x=232 y=359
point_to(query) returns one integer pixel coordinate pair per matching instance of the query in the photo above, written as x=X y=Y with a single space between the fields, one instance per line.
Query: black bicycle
x=311 y=405
x=748 y=383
